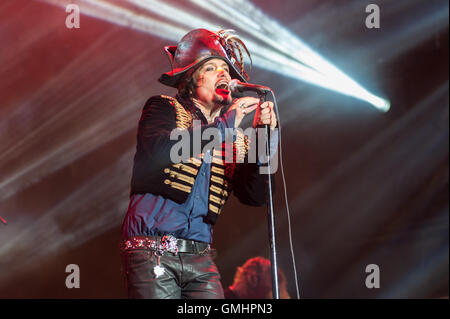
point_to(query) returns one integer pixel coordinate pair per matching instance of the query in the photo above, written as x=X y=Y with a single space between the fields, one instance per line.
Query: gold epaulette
x=183 y=117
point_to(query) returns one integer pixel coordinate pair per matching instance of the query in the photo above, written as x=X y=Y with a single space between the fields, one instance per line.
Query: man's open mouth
x=222 y=88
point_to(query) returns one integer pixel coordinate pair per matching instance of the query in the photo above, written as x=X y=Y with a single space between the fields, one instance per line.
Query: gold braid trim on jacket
x=183 y=117
x=181 y=176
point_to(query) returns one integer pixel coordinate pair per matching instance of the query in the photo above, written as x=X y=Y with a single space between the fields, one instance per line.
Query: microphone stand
x=270 y=214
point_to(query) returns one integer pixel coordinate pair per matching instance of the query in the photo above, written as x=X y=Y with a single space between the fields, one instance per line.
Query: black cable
x=285 y=196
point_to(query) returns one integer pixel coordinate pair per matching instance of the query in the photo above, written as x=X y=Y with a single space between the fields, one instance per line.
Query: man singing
x=167 y=230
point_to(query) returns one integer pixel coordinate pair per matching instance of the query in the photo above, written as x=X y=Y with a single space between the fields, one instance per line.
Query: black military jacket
x=155 y=173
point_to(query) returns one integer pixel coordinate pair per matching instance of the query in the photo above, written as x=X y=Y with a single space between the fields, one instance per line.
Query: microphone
x=236 y=86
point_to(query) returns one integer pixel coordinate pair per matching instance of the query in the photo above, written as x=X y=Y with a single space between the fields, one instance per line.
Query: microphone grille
x=233 y=85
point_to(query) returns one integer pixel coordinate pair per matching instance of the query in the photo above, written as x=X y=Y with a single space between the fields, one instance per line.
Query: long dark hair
x=187 y=86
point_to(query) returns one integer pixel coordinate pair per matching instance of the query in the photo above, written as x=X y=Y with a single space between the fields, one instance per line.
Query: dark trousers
x=186 y=276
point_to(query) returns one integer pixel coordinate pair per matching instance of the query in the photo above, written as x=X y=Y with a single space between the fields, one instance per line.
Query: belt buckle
x=168 y=243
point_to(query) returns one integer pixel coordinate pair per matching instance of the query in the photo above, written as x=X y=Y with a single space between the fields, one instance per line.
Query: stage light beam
x=301 y=63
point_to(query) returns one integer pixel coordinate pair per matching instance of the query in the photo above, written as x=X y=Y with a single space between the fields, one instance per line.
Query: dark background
x=364 y=187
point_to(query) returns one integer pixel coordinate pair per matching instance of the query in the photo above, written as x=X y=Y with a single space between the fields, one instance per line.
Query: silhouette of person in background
x=253 y=280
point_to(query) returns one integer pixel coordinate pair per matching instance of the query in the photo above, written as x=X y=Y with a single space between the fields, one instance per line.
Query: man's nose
x=223 y=72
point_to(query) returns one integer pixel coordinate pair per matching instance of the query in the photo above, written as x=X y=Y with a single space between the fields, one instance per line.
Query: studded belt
x=164 y=244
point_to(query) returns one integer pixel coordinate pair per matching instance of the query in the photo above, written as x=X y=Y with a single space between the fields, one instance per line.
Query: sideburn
x=188 y=88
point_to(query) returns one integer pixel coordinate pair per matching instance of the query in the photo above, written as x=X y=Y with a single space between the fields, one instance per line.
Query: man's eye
x=209 y=68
